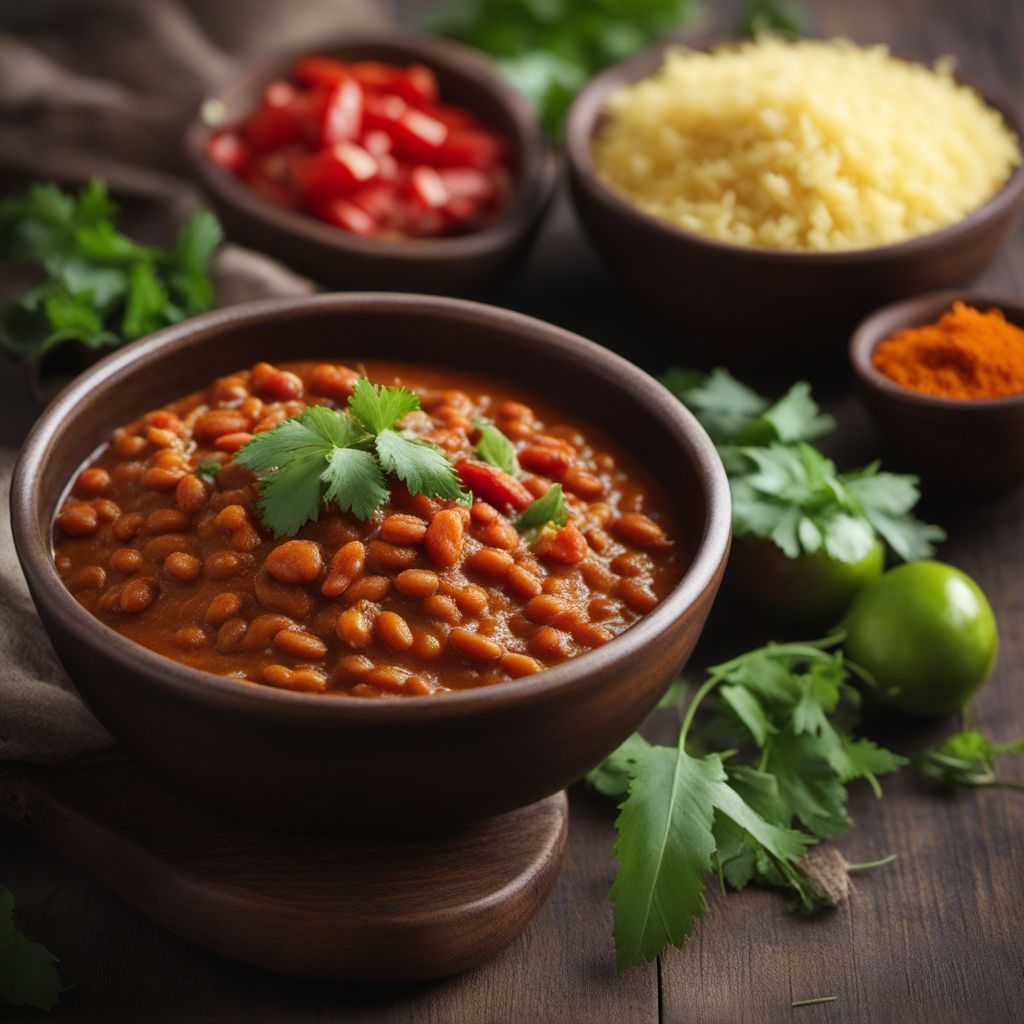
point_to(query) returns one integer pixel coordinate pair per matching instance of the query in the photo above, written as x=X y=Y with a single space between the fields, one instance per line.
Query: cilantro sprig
x=28 y=972
x=698 y=808
x=784 y=489
x=101 y=289
x=968 y=759
x=324 y=455
x=495 y=448
x=548 y=508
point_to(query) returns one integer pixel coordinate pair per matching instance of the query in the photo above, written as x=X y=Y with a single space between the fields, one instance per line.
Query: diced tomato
x=383 y=112
x=273 y=124
x=345 y=214
x=453 y=117
x=321 y=72
x=378 y=199
x=377 y=143
x=467 y=147
x=490 y=484
x=426 y=186
x=565 y=545
x=343 y=114
x=230 y=151
x=335 y=172
x=417 y=85
x=466 y=182
x=375 y=74
x=270 y=175
x=418 y=135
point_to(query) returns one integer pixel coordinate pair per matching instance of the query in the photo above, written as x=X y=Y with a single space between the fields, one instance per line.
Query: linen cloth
x=106 y=87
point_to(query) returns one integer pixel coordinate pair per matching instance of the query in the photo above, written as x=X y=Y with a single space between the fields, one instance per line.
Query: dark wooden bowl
x=970 y=447
x=457 y=265
x=337 y=763
x=738 y=304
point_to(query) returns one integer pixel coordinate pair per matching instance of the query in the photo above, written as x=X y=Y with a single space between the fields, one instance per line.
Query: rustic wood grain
x=934 y=937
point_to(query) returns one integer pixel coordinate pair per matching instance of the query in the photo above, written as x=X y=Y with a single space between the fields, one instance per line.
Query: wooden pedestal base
x=332 y=908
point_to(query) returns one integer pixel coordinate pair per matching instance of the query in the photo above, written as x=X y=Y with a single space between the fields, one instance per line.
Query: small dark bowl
x=972 y=447
x=748 y=305
x=339 y=763
x=456 y=265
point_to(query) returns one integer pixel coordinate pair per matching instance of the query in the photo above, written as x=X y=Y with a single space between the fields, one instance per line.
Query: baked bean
x=127 y=472
x=627 y=564
x=545 y=608
x=369 y=588
x=549 y=644
x=245 y=538
x=390 y=557
x=190 y=494
x=107 y=510
x=126 y=561
x=641 y=531
x=137 y=595
x=537 y=486
x=229 y=389
x=108 y=600
x=590 y=634
x=426 y=646
x=636 y=596
x=443 y=539
x=295 y=561
x=482 y=513
x=518 y=665
x=287 y=598
x=584 y=485
x=130 y=445
x=416 y=686
x=403 y=529
x=500 y=534
x=190 y=638
x=166 y=420
x=169 y=458
x=231 y=517
x=474 y=646
x=387 y=677
x=78 y=520
x=523 y=583
x=92 y=482
x=555 y=585
x=281 y=385
x=223 y=607
x=471 y=600
x=416 y=582
x=158 y=548
x=490 y=562
x=300 y=644
x=264 y=628
x=232 y=442
x=304 y=680
x=166 y=520
x=393 y=631
x=565 y=546
x=354 y=666
x=162 y=438
x=223 y=565
x=346 y=566
x=182 y=566
x=92 y=577
x=162 y=480
x=335 y=382
x=443 y=608
x=218 y=422
x=597 y=539
x=602 y=607
x=596 y=576
x=353 y=628
x=514 y=411
x=545 y=460
x=231 y=635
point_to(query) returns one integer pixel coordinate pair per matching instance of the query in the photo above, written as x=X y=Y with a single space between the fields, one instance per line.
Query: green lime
x=812 y=590
x=927 y=633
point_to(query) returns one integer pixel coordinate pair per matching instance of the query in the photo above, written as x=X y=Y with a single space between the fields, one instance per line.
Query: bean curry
x=161 y=539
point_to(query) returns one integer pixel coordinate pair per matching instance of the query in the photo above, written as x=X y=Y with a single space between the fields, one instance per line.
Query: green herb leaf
x=355 y=481
x=423 y=467
x=379 y=407
x=495 y=448
x=968 y=759
x=779 y=16
x=548 y=508
x=208 y=469
x=28 y=973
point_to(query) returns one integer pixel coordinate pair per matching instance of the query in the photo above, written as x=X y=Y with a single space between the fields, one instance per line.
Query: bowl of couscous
x=764 y=195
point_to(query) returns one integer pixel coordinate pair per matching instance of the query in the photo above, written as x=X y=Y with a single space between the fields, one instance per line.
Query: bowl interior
x=465 y=79
x=578 y=375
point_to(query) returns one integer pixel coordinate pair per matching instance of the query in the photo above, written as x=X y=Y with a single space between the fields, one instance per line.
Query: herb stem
x=869 y=865
x=813 y=1002
x=703 y=690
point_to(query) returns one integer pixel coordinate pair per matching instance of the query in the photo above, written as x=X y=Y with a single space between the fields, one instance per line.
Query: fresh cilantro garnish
x=968 y=759
x=495 y=448
x=28 y=975
x=208 y=468
x=325 y=455
x=685 y=814
x=784 y=489
x=548 y=508
x=102 y=289
x=550 y=50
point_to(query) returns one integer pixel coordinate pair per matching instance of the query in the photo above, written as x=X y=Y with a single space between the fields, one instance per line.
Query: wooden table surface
x=935 y=937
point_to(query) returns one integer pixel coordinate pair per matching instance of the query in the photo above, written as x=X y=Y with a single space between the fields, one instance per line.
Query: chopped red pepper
x=490 y=484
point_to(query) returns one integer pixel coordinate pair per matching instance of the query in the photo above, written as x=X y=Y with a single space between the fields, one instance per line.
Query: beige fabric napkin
x=106 y=87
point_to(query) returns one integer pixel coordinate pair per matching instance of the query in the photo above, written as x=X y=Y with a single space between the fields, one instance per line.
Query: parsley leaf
x=784 y=489
x=28 y=975
x=325 y=455
x=548 y=508
x=102 y=288
x=968 y=759
x=495 y=448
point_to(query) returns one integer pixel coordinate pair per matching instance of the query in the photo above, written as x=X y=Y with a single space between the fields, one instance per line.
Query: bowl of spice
x=707 y=175
x=943 y=376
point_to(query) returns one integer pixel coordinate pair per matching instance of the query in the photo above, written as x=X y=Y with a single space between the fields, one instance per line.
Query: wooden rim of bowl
x=588 y=108
x=915 y=312
x=35 y=550
x=533 y=185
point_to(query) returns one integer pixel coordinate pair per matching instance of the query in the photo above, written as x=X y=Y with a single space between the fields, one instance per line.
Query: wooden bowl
x=338 y=763
x=973 y=447
x=454 y=265
x=749 y=305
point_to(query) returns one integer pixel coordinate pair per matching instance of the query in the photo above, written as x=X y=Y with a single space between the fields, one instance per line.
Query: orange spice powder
x=965 y=354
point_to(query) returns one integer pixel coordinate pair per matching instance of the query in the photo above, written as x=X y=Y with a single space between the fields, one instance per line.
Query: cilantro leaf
x=355 y=482
x=548 y=508
x=28 y=975
x=495 y=448
x=146 y=305
x=208 y=468
x=723 y=405
x=423 y=467
x=794 y=417
x=379 y=407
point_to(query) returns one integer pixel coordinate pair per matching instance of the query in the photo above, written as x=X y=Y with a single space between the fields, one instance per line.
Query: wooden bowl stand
x=331 y=908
